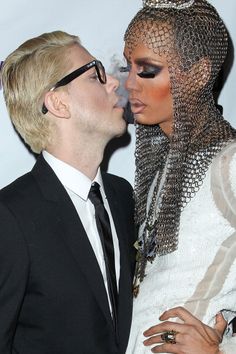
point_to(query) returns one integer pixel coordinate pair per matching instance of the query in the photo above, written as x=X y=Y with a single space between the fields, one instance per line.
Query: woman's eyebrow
x=147 y=60
x=144 y=60
x=128 y=61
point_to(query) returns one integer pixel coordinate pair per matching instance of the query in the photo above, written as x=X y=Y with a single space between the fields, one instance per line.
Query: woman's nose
x=131 y=81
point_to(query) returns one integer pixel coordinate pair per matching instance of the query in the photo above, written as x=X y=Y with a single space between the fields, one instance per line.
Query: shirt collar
x=70 y=177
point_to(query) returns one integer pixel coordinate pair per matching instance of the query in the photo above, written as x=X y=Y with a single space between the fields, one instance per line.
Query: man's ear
x=201 y=72
x=56 y=103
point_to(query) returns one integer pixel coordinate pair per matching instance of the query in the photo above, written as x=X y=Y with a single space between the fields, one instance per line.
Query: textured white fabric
x=228 y=346
x=201 y=274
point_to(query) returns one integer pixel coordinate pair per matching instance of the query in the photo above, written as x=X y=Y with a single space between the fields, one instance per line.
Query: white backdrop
x=100 y=25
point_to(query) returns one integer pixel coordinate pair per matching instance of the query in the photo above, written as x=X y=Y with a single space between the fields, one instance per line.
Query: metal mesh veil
x=194 y=41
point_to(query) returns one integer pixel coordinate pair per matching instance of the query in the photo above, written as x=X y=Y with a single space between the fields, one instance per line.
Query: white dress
x=201 y=274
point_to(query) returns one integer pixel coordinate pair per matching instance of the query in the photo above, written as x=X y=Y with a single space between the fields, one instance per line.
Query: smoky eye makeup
x=149 y=71
x=146 y=71
x=125 y=69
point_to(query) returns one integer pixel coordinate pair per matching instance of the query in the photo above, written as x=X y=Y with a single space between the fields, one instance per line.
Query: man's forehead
x=79 y=55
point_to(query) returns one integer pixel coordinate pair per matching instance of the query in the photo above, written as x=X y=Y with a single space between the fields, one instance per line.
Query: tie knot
x=95 y=195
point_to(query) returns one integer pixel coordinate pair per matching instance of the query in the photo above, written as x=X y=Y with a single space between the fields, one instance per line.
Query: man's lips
x=120 y=102
x=137 y=106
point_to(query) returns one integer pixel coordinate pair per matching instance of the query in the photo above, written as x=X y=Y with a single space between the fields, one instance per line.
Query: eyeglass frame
x=76 y=73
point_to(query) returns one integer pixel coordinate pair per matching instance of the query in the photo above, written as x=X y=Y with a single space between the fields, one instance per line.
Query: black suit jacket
x=52 y=294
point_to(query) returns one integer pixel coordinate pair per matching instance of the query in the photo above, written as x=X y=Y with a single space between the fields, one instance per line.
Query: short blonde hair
x=27 y=74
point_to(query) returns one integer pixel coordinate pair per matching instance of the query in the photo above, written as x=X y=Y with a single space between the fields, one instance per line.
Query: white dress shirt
x=78 y=186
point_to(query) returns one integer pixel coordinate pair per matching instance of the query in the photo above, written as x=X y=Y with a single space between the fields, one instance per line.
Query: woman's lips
x=137 y=106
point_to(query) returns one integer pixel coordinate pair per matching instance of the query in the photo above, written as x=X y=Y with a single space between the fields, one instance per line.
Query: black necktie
x=104 y=230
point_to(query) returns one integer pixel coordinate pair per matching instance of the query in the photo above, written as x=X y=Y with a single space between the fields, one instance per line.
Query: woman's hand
x=190 y=337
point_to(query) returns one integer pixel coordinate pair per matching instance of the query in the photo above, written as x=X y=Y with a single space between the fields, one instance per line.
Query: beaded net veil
x=193 y=39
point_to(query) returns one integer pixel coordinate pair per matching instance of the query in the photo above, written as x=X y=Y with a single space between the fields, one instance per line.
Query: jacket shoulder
x=116 y=181
x=20 y=186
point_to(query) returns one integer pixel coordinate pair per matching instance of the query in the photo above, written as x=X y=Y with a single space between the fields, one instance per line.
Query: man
x=56 y=293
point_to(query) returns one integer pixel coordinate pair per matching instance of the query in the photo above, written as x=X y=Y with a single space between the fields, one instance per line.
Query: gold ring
x=169 y=337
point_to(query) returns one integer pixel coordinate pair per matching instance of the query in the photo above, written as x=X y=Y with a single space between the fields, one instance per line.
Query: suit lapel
x=72 y=232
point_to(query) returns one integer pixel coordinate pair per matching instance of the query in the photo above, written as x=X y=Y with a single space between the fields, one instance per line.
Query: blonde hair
x=27 y=74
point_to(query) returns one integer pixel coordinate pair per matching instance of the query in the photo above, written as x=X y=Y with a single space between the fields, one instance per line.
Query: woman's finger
x=181 y=313
x=153 y=340
x=220 y=325
x=166 y=326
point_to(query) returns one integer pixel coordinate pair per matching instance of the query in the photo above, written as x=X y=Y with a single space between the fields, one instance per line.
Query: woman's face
x=148 y=84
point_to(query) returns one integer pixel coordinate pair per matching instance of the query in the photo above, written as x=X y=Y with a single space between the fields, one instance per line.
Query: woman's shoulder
x=223 y=179
x=224 y=164
x=229 y=150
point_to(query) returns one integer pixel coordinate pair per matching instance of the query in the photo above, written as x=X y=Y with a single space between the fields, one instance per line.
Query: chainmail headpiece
x=179 y=4
x=169 y=171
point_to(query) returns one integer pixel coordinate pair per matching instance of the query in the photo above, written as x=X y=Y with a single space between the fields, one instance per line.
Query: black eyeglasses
x=70 y=77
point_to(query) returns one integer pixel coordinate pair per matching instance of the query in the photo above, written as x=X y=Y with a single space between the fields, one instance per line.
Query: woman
x=185 y=184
